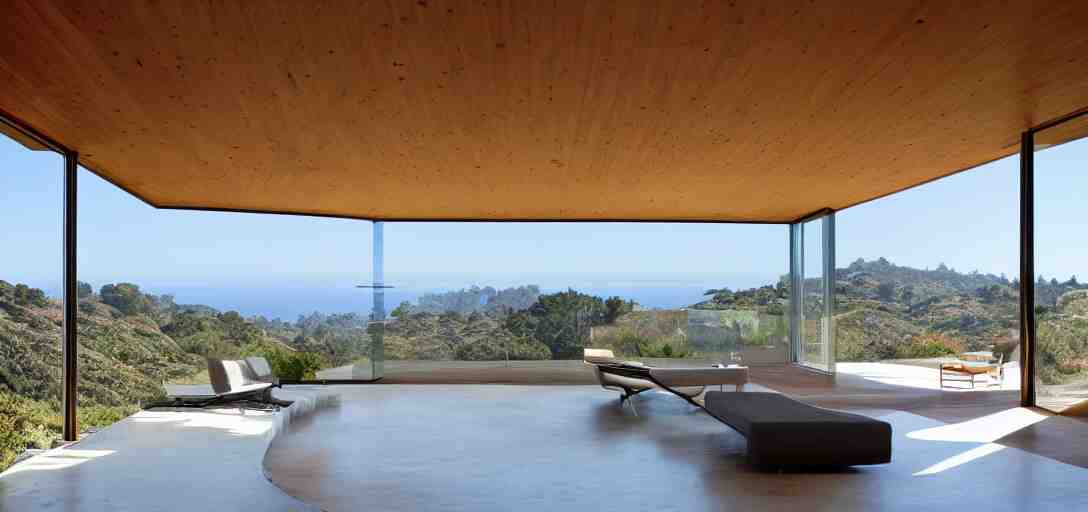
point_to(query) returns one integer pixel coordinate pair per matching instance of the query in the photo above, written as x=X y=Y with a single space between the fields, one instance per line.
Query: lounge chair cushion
x=969 y=368
x=261 y=371
x=736 y=376
x=784 y=432
x=599 y=356
x=230 y=377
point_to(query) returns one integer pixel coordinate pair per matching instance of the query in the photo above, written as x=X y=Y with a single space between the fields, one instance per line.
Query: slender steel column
x=70 y=373
x=829 y=291
x=797 y=280
x=1027 y=269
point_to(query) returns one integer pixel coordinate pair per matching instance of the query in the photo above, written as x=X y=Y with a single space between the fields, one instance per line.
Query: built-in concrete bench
x=784 y=432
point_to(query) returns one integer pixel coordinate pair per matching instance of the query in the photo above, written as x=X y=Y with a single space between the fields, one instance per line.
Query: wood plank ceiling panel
x=559 y=109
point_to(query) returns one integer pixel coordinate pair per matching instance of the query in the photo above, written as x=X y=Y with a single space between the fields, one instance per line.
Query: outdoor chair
x=261 y=371
x=234 y=383
x=966 y=371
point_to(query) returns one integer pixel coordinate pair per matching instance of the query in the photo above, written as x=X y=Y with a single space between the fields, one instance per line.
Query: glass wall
x=815 y=336
x=30 y=299
x=928 y=277
x=1061 y=299
x=489 y=302
x=163 y=290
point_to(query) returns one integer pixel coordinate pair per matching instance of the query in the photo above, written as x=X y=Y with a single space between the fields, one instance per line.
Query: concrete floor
x=568 y=447
x=162 y=460
x=488 y=447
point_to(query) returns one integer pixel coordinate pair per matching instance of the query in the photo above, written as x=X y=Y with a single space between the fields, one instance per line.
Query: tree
x=83 y=290
x=559 y=320
x=1072 y=281
x=990 y=294
x=27 y=296
x=286 y=364
x=238 y=329
x=886 y=291
x=403 y=309
x=615 y=307
x=126 y=297
x=908 y=294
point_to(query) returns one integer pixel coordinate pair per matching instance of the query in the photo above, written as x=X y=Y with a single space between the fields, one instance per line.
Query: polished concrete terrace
x=554 y=447
x=529 y=448
x=164 y=460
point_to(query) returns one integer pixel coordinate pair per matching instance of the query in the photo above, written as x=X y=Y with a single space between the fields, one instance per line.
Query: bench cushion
x=782 y=431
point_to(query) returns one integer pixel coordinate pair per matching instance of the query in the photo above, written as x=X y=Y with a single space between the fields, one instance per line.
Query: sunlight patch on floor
x=986 y=429
x=961 y=459
x=244 y=423
x=921 y=377
x=59 y=458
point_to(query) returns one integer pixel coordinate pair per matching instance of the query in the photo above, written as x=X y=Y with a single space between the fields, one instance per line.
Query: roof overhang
x=567 y=110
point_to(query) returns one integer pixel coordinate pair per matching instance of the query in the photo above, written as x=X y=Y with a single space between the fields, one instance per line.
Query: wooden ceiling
x=558 y=109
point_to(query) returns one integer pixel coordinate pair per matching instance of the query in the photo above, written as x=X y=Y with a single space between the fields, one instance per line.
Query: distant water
x=289 y=301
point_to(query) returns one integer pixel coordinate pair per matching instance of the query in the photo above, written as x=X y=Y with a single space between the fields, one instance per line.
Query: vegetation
x=287 y=364
x=131 y=342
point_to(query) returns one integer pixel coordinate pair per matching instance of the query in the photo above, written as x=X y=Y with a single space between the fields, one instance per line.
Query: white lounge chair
x=234 y=382
x=633 y=377
x=261 y=371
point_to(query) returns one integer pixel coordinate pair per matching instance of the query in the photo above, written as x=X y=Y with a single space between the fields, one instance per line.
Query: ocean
x=289 y=300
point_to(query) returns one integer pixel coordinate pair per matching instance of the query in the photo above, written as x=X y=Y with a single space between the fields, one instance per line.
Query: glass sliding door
x=813 y=270
x=1061 y=298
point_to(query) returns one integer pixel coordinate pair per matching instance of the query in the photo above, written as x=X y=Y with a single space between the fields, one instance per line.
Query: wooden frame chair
x=964 y=371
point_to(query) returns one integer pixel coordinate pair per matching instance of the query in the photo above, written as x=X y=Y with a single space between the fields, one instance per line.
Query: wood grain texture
x=564 y=109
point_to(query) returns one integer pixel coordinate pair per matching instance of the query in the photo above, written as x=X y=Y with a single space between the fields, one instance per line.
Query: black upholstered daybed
x=782 y=431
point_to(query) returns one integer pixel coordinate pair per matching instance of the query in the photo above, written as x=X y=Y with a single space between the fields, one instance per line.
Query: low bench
x=784 y=432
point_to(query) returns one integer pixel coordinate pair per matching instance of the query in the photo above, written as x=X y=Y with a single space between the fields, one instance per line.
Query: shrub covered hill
x=886 y=311
x=132 y=342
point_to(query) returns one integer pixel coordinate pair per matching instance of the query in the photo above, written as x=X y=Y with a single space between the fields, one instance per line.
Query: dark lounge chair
x=782 y=431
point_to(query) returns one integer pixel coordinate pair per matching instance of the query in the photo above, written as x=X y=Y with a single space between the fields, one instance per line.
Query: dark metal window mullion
x=1027 y=269
x=70 y=346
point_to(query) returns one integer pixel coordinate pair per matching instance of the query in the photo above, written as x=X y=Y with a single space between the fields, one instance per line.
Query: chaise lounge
x=247 y=382
x=686 y=382
x=779 y=430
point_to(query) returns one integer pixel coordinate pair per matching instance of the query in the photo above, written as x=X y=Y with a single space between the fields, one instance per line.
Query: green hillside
x=131 y=343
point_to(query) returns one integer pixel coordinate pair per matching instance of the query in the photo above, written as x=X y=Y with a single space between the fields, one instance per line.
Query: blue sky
x=967 y=221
